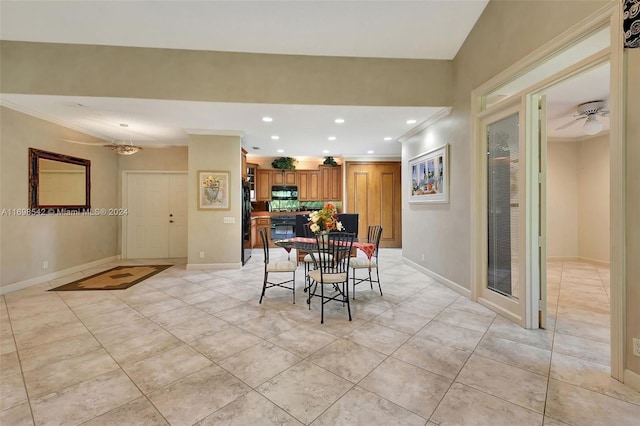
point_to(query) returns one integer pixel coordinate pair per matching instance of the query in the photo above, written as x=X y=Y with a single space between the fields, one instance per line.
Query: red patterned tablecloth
x=367 y=248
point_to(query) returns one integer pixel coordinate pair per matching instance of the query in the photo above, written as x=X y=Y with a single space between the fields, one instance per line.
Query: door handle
x=170 y=221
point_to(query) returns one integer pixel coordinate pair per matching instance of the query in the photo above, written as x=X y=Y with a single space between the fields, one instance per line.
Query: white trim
x=54 y=275
x=632 y=379
x=578 y=259
x=617 y=197
x=427 y=123
x=609 y=14
x=448 y=283
x=213 y=266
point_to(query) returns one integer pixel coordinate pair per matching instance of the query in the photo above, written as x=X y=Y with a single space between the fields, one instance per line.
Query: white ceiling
x=392 y=29
x=370 y=28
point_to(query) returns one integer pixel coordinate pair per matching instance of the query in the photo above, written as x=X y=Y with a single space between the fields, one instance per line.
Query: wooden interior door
x=374 y=192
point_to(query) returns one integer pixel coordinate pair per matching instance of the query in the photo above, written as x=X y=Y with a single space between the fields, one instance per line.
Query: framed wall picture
x=430 y=176
x=213 y=190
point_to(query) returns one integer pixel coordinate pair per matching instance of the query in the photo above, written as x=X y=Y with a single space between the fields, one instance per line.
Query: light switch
x=229 y=220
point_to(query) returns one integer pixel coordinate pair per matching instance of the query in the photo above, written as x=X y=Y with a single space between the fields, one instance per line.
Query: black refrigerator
x=246 y=223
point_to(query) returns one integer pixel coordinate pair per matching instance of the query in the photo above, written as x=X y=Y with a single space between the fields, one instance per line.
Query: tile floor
x=192 y=347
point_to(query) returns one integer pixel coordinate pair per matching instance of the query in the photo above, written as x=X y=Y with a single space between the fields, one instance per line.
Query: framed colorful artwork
x=213 y=190
x=430 y=176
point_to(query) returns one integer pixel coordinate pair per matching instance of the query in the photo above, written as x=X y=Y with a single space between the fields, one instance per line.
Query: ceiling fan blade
x=571 y=123
x=83 y=143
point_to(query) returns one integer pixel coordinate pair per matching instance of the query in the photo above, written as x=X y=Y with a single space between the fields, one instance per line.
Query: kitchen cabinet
x=263 y=222
x=251 y=179
x=263 y=184
x=284 y=177
x=308 y=182
x=331 y=183
x=244 y=164
x=253 y=233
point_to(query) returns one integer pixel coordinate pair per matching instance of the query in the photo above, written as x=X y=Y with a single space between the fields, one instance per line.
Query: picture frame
x=429 y=176
x=213 y=190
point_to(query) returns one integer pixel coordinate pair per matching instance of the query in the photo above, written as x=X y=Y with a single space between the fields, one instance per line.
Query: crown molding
x=428 y=122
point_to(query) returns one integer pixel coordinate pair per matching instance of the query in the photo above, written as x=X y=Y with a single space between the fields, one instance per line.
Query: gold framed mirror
x=58 y=181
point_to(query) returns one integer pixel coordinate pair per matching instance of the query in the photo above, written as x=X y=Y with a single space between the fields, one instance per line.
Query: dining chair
x=332 y=255
x=276 y=266
x=374 y=233
x=308 y=259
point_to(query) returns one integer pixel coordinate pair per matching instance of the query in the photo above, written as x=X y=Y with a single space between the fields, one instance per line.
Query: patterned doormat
x=118 y=278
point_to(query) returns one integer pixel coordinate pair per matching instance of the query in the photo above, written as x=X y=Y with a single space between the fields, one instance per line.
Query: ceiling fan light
x=592 y=126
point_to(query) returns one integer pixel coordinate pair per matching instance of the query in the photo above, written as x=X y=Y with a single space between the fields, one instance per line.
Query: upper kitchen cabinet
x=331 y=183
x=263 y=184
x=251 y=179
x=308 y=182
x=284 y=177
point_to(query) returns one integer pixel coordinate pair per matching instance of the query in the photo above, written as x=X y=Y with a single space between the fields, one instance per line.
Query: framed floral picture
x=213 y=190
x=430 y=176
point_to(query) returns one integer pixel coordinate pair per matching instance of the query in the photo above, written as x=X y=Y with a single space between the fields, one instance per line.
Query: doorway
x=156 y=222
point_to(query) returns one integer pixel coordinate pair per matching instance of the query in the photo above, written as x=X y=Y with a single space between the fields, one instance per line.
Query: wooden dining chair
x=279 y=266
x=374 y=233
x=332 y=256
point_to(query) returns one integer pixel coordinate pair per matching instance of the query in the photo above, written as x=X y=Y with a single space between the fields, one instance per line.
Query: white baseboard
x=578 y=259
x=453 y=286
x=54 y=275
x=632 y=379
x=213 y=266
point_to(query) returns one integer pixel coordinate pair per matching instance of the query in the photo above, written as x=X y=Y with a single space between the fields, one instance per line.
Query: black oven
x=283 y=227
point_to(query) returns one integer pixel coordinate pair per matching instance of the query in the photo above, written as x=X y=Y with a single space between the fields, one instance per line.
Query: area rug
x=118 y=278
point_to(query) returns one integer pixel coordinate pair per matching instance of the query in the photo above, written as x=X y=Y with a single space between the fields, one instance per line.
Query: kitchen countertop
x=264 y=214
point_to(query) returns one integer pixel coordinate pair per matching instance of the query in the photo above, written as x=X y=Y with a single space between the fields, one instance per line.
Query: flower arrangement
x=211 y=187
x=211 y=182
x=325 y=220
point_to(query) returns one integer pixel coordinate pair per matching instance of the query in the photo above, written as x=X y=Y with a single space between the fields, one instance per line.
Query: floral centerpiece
x=211 y=187
x=325 y=220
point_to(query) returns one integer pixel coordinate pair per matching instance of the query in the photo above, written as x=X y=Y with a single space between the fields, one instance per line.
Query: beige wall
x=594 y=199
x=63 y=241
x=130 y=72
x=562 y=199
x=632 y=59
x=578 y=199
x=219 y=241
x=506 y=32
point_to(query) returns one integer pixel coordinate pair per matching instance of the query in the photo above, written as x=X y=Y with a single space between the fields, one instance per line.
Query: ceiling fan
x=589 y=111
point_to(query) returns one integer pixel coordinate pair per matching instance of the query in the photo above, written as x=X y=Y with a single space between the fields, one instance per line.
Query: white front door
x=156 y=215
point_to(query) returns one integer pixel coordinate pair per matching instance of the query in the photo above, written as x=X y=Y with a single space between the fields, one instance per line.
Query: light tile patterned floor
x=193 y=347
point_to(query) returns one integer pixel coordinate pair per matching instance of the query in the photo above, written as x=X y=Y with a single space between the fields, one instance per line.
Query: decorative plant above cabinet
x=329 y=161
x=284 y=163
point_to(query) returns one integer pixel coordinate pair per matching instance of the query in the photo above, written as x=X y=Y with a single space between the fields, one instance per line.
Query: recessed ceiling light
x=267 y=119
x=412 y=121
x=280 y=151
x=388 y=138
x=325 y=151
x=332 y=138
x=275 y=137
x=339 y=120
x=370 y=152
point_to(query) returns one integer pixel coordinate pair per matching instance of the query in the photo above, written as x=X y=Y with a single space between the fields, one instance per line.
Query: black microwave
x=284 y=192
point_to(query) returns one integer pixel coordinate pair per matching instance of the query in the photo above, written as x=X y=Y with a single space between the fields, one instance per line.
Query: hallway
x=195 y=347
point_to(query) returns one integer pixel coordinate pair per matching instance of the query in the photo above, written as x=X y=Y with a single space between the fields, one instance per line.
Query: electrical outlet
x=45 y=264
x=636 y=346
x=423 y=257
x=201 y=255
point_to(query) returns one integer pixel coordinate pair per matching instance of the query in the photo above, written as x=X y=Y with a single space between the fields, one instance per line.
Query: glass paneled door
x=503 y=269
